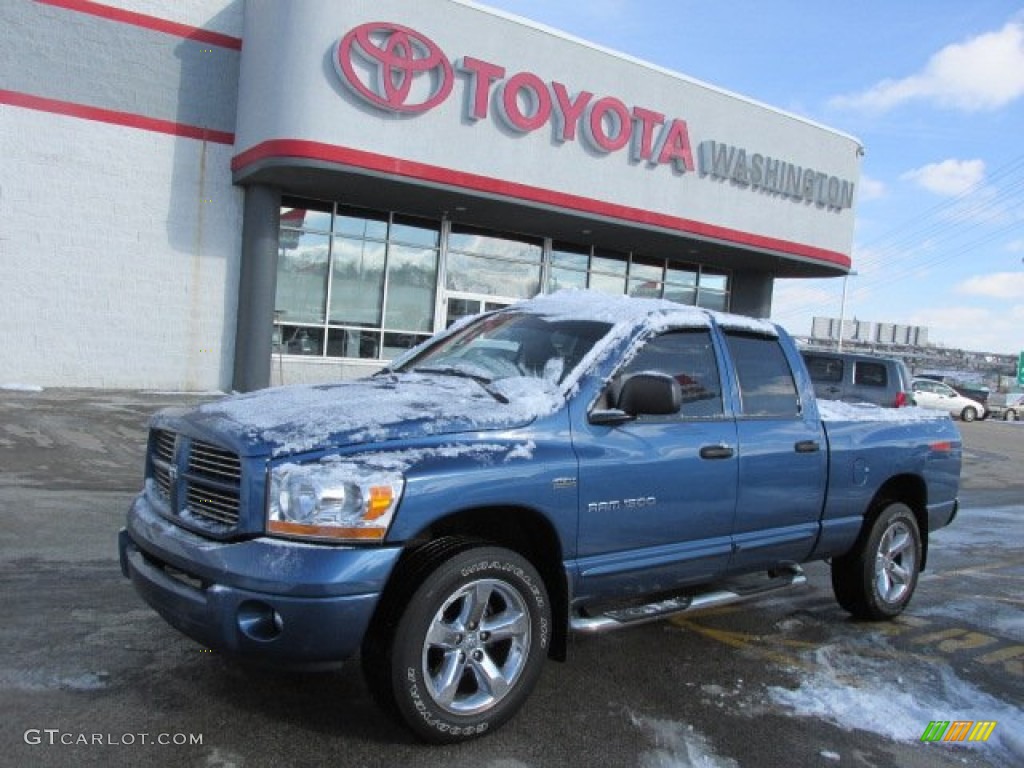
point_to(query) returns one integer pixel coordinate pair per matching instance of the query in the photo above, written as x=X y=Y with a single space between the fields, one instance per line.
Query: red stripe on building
x=127 y=119
x=369 y=161
x=148 y=22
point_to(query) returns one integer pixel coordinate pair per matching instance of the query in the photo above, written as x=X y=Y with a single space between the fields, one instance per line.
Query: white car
x=935 y=394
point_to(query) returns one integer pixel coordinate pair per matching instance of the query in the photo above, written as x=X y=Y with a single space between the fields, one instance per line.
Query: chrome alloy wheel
x=476 y=647
x=895 y=562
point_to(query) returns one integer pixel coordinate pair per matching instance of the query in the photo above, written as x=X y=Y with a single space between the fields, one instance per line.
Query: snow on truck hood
x=288 y=420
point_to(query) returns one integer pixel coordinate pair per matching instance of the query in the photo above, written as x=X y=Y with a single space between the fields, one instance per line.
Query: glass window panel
x=301 y=277
x=495 y=244
x=607 y=283
x=306 y=214
x=492 y=277
x=397 y=343
x=566 y=278
x=357 y=282
x=412 y=279
x=681 y=294
x=647 y=269
x=689 y=358
x=766 y=381
x=713 y=300
x=645 y=289
x=460 y=308
x=299 y=340
x=358 y=222
x=716 y=281
x=405 y=229
x=571 y=256
x=353 y=342
x=681 y=275
x=609 y=261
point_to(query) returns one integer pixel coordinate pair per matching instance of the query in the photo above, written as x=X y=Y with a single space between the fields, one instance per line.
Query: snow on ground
x=677 y=745
x=897 y=698
x=21 y=387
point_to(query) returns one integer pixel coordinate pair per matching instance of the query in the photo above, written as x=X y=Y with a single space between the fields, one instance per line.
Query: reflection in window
x=357 y=282
x=302 y=276
x=767 y=387
x=689 y=358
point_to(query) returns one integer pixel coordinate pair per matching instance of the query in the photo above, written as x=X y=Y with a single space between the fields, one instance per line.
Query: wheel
x=469 y=645
x=876 y=579
x=1010 y=415
x=969 y=414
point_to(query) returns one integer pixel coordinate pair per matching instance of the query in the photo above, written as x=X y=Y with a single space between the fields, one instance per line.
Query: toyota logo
x=394 y=67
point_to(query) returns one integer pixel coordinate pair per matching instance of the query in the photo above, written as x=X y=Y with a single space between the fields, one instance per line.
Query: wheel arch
x=520 y=529
x=906 y=489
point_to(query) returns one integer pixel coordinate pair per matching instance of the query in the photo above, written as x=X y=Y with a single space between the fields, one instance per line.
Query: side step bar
x=725 y=593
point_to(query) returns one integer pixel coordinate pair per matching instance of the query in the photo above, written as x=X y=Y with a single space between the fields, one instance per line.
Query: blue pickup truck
x=569 y=464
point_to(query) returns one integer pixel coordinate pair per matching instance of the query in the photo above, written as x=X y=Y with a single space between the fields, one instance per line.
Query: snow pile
x=21 y=388
x=897 y=698
x=677 y=746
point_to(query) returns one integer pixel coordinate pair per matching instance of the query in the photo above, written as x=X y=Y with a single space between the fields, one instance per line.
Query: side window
x=688 y=357
x=867 y=374
x=767 y=387
x=824 y=369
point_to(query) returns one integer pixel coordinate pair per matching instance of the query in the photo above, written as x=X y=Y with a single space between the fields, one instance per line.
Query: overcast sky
x=934 y=90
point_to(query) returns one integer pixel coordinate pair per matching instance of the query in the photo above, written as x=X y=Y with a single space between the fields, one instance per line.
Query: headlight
x=342 y=501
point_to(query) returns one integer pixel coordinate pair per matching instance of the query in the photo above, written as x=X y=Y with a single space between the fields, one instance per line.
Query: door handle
x=807 y=446
x=716 y=452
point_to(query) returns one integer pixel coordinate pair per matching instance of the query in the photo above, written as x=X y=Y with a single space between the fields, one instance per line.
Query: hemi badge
x=561 y=483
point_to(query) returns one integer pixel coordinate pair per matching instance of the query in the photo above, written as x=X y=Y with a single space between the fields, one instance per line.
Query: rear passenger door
x=782 y=457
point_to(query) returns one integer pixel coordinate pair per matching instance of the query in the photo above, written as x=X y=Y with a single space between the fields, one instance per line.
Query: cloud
x=871 y=189
x=978 y=329
x=982 y=73
x=1000 y=285
x=1016 y=246
x=950 y=177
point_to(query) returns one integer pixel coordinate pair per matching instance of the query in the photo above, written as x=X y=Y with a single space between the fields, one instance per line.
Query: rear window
x=827 y=369
x=867 y=374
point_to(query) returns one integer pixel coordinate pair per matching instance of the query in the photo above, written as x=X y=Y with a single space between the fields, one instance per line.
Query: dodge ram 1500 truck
x=569 y=464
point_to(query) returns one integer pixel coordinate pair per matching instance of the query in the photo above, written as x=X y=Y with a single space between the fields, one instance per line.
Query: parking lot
x=91 y=676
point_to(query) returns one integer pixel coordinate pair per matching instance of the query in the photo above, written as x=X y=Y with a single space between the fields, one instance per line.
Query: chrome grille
x=211 y=461
x=164 y=443
x=210 y=494
x=213 y=504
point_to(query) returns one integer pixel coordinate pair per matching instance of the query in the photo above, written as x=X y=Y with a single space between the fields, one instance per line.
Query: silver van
x=859 y=378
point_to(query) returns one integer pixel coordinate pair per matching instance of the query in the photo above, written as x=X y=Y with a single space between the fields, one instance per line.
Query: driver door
x=658 y=494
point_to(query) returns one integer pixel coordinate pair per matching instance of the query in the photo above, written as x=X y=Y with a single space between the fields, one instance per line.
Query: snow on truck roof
x=589 y=305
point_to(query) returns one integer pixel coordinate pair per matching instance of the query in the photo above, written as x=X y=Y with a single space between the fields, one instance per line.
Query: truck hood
x=297 y=419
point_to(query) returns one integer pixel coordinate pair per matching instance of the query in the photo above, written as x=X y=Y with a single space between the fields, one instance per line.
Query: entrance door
x=460 y=305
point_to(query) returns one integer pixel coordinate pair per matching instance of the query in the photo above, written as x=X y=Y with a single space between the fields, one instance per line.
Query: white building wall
x=119 y=246
x=118 y=255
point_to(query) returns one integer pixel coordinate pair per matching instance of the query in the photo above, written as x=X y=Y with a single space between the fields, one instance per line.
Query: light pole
x=842 y=309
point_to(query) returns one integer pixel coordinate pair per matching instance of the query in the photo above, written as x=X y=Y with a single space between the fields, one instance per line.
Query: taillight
x=901 y=400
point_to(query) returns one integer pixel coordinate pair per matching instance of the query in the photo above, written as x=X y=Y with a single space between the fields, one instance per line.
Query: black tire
x=1010 y=415
x=877 y=578
x=969 y=413
x=469 y=646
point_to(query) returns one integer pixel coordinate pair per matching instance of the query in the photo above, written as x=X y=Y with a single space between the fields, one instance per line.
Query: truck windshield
x=511 y=344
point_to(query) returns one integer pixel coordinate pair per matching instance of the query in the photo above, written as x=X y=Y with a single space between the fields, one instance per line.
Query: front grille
x=209 y=495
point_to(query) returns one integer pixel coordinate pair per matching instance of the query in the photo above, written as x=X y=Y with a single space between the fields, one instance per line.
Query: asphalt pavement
x=89 y=675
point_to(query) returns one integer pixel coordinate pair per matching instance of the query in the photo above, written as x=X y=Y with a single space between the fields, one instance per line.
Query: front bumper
x=276 y=601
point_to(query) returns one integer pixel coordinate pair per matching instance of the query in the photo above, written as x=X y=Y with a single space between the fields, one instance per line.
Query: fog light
x=259 y=621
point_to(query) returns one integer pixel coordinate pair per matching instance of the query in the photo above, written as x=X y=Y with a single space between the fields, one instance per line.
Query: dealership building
x=228 y=194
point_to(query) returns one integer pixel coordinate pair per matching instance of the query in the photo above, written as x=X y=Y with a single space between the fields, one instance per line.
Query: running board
x=726 y=593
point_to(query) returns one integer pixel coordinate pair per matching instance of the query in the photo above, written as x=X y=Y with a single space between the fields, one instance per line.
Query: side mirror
x=651 y=394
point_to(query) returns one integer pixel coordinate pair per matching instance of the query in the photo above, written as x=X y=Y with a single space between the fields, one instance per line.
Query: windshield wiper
x=451 y=370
